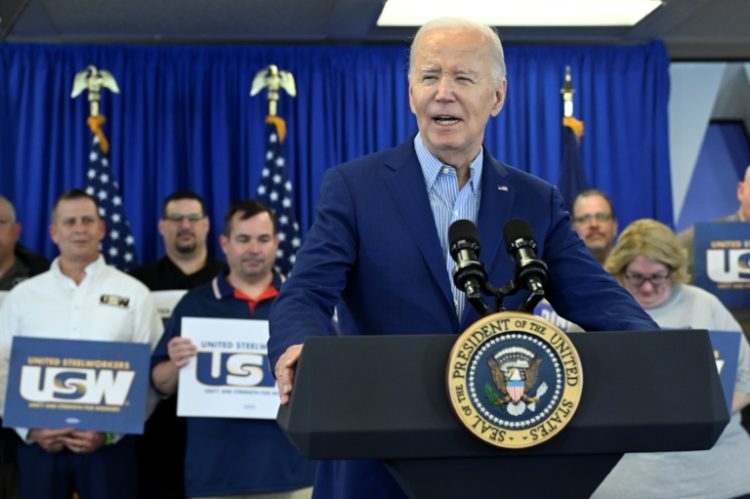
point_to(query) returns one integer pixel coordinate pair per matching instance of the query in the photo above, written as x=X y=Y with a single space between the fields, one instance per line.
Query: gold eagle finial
x=274 y=79
x=93 y=80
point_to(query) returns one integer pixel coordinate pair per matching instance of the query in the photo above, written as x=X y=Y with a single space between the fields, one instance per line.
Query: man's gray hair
x=496 y=47
x=11 y=208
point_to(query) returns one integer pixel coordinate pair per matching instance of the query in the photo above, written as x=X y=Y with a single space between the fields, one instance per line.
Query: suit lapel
x=494 y=211
x=406 y=183
x=494 y=208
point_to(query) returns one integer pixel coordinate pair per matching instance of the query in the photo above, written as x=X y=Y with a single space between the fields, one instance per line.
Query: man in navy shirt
x=227 y=456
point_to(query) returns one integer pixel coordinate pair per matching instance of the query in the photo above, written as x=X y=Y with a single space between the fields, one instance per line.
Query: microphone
x=531 y=272
x=469 y=274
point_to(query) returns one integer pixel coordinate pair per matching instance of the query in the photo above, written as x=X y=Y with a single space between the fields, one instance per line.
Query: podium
x=385 y=397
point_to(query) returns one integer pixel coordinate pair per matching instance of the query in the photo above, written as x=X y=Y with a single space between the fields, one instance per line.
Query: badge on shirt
x=114 y=300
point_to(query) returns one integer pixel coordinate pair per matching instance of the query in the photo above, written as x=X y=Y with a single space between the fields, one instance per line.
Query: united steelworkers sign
x=86 y=385
x=722 y=261
x=514 y=379
x=230 y=377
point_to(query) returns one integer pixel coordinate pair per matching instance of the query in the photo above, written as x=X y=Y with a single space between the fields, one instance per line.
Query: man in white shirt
x=66 y=302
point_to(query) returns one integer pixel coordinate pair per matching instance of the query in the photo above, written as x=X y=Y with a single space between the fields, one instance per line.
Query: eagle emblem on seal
x=514 y=372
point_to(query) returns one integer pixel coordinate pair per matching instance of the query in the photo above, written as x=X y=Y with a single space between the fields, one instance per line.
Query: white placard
x=230 y=376
x=166 y=301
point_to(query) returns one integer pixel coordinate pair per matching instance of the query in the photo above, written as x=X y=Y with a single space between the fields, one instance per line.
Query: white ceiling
x=692 y=29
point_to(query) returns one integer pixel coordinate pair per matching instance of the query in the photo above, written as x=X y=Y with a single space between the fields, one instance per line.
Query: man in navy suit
x=379 y=243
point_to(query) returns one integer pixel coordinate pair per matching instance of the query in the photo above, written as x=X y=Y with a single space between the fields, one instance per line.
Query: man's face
x=649 y=282
x=453 y=93
x=9 y=232
x=592 y=220
x=251 y=248
x=77 y=230
x=185 y=227
x=743 y=196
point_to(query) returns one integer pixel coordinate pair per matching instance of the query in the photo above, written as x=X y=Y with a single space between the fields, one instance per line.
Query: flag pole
x=275 y=189
x=572 y=179
x=567 y=92
x=118 y=245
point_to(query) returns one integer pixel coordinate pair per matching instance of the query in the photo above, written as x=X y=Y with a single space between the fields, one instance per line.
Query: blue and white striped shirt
x=449 y=204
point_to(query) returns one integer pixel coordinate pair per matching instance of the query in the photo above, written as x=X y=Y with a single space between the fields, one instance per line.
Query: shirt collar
x=90 y=269
x=432 y=166
x=222 y=289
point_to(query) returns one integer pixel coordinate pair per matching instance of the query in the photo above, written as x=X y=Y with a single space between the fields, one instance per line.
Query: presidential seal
x=514 y=379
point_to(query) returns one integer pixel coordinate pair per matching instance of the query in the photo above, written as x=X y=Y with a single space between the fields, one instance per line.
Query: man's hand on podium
x=284 y=371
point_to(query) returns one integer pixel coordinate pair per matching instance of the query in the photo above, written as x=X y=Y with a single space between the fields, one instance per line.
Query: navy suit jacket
x=374 y=243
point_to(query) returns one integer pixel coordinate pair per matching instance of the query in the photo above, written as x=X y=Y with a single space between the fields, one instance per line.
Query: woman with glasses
x=650 y=263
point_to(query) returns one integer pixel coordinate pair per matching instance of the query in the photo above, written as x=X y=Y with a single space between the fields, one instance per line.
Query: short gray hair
x=11 y=208
x=496 y=46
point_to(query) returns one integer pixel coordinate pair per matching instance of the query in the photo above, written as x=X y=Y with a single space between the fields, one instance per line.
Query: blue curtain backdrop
x=184 y=119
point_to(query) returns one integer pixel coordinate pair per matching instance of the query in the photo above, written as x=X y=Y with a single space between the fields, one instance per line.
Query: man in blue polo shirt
x=226 y=456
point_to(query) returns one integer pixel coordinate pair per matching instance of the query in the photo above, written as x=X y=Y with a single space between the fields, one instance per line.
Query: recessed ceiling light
x=520 y=12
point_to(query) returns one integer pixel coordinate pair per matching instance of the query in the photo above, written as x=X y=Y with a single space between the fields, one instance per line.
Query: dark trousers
x=108 y=473
x=161 y=454
x=9 y=442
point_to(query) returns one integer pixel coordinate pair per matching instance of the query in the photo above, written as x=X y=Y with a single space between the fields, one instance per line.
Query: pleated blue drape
x=184 y=119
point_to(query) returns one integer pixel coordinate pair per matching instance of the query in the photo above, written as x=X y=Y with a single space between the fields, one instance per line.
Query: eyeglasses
x=587 y=219
x=179 y=217
x=655 y=279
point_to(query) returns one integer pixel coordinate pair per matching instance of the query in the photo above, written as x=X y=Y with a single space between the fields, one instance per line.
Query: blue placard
x=722 y=261
x=86 y=385
x=726 y=346
x=546 y=312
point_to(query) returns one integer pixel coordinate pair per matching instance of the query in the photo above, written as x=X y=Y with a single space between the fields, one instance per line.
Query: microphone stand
x=510 y=288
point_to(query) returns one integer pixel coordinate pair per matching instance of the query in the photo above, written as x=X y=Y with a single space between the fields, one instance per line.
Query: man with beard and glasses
x=184 y=226
x=233 y=456
x=595 y=222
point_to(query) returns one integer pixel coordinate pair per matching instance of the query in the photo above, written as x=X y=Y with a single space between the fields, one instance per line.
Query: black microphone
x=469 y=274
x=531 y=272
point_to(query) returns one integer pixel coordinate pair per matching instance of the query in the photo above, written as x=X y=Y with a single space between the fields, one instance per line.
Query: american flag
x=118 y=245
x=572 y=175
x=275 y=191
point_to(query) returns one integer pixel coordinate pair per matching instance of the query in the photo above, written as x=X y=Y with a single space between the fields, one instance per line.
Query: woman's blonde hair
x=655 y=241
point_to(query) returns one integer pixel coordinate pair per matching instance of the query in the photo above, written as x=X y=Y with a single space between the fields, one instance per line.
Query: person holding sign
x=82 y=298
x=687 y=237
x=229 y=455
x=649 y=262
